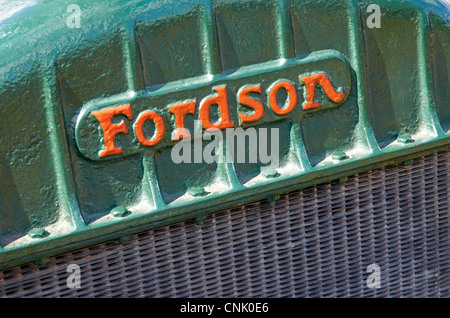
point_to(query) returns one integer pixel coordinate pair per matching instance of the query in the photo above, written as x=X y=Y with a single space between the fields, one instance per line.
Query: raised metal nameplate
x=252 y=95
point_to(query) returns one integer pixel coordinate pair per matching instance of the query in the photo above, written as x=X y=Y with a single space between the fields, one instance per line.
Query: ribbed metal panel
x=317 y=242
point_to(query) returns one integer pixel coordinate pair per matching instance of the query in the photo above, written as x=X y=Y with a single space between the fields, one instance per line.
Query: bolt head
x=197 y=191
x=120 y=211
x=37 y=232
x=339 y=155
x=405 y=139
x=270 y=173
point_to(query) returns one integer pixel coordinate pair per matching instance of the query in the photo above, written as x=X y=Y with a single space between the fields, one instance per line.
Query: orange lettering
x=179 y=110
x=244 y=99
x=291 y=91
x=110 y=130
x=221 y=100
x=159 y=128
x=329 y=90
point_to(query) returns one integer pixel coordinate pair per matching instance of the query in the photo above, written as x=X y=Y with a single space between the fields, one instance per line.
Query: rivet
x=339 y=155
x=197 y=191
x=37 y=232
x=120 y=211
x=270 y=173
x=405 y=139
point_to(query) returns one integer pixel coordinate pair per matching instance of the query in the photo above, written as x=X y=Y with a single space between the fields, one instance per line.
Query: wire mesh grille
x=317 y=242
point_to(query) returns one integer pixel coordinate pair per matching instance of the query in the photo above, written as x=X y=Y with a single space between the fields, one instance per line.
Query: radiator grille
x=317 y=242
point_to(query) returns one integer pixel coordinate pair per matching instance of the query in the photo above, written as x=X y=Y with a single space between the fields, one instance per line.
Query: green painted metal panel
x=60 y=189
